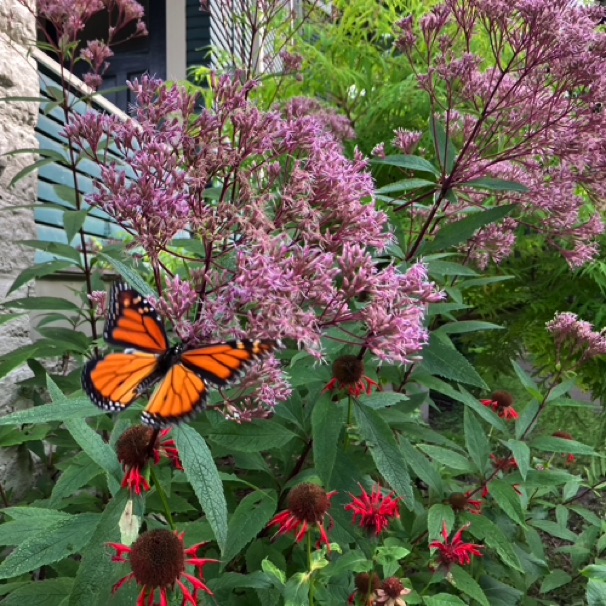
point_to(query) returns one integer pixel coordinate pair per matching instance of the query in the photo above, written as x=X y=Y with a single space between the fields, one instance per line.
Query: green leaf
x=380 y=441
x=421 y=467
x=494 y=184
x=554 y=529
x=436 y=516
x=443 y=599
x=251 y=516
x=551 y=444
x=278 y=577
x=91 y=587
x=526 y=380
x=436 y=267
x=73 y=220
x=448 y=458
x=464 y=582
x=251 y=437
x=203 y=475
x=476 y=441
x=98 y=450
x=405 y=185
x=382 y=399
x=58 y=541
x=38 y=303
x=494 y=538
x=30 y=169
x=445 y=149
x=55 y=248
x=461 y=231
x=327 y=422
x=483 y=411
x=71 y=408
x=415 y=163
x=521 y=453
x=465 y=326
x=556 y=578
x=508 y=500
x=77 y=475
x=66 y=193
x=38 y=271
x=596 y=593
x=296 y=590
x=442 y=359
x=6 y=318
x=133 y=278
x=50 y=592
x=72 y=340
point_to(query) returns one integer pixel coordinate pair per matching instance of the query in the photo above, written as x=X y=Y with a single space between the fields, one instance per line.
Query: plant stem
x=163 y=498
x=311 y=585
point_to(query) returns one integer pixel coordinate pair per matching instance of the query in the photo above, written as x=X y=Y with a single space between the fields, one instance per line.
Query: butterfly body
x=116 y=380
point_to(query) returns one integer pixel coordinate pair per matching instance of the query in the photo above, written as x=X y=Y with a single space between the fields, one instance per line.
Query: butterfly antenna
x=152 y=442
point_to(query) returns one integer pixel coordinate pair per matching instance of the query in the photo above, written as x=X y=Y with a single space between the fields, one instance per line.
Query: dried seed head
x=392 y=587
x=502 y=398
x=348 y=370
x=367 y=583
x=458 y=501
x=157 y=558
x=308 y=502
x=133 y=447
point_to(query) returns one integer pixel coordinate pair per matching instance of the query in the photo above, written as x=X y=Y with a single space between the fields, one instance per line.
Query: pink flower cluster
x=285 y=238
x=528 y=110
x=576 y=339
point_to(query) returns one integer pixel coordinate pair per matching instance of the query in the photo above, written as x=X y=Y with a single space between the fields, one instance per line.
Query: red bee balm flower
x=455 y=551
x=307 y=507
x=348 y=374
x=157 y=560
x=502 y=402
x=134 y=452
x=374 y=510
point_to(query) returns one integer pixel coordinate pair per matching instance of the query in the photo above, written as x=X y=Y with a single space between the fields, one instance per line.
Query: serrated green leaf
x=130 y=275
x=415 y=163
x=73 y=220
x=498 y=593
x=464 y=582
x=380 y=441
x=38 y=271
x=99 y=451
x=439 y=358
x=42 y=303
x=476 y=441
x=596 y=593
x=437 y=515
x=556 y=578
x=77 y=475
x=278 y=577
x=465 y=326
x=483 y=411
x=443 y=599
x=251 y=437
x=234 y=580
x=448 y=268
x=455 y=233
x=508 y=500
x=296 y=590
x=70 y=408
x=521 y=453
x=203 y=475
x=526 y=380
x=494 y=538
x=554 y=529
x=405 y=185
x=494 y=184
x=587 y=514
x=551 y=444
x=421 y=467
x=64 y=537
x=90 y=584
x=448 y=458
x=251 y=516
x=50 y=592
x=382 y=399
x=327 y=423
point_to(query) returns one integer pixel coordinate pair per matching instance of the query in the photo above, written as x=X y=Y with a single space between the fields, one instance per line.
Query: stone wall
x=18 y=77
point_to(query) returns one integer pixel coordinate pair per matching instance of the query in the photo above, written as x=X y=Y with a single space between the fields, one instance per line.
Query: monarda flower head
x=348 y=375
x=453 y=550
x=135 y=450
x=464 y=502
x=308 y=505
x=373 y=512
x=157 y=561
x=392 y=593
x=502 y=402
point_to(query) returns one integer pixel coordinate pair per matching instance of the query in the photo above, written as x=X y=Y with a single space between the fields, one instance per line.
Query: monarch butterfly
x=113 y=382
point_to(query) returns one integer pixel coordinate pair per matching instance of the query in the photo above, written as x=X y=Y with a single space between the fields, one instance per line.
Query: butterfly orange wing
x=113 y=382
x=133 y=322
x=177 y=397
x=222 y=363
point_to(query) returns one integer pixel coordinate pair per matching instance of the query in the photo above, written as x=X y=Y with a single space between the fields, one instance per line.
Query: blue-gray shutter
x=198 y=34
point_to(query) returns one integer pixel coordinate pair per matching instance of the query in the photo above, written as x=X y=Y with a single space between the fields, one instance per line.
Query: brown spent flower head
x=503 y=399
x=392 y=592
x=348 y=370
x=458 y=501
x=132 y=447
x=309 y=503
x=157 y=558
x=367 y=583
